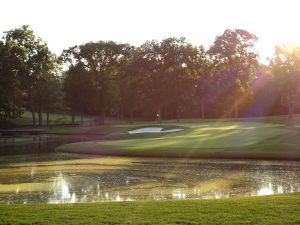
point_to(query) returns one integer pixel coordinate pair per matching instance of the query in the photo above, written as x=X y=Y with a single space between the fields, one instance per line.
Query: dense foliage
x=165 y=79
x=28 y=74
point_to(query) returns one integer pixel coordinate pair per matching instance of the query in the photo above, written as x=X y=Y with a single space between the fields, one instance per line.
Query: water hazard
x=70 y=178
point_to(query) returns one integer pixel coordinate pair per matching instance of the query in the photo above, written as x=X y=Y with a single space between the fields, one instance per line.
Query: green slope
x=210 y=139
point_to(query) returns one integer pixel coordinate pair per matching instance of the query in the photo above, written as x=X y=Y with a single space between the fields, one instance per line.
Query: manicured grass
x=217 y=139
x=277 y=209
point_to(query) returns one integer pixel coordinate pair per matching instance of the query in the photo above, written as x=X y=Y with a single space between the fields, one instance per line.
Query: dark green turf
x=277 y=209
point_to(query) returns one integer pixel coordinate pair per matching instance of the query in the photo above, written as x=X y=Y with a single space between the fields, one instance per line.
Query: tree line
x=171 y=79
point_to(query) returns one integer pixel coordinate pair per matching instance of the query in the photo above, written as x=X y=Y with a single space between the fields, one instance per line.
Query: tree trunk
x=33 y=116
x=40 y=115
x=121 y=115
x=73 y=117
x=202 y=109
x=166 y=113
x=81 y=118
x=131 y=116
x=47 y=118
x=31 y=102
x=236 y=110
x=103 y=116
x=291 y=110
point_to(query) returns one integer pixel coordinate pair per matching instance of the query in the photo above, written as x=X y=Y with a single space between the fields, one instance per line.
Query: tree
x=79 y=90
x=47 y=91
x=286 y=71
x=234 y=63
x=11 y=91
x=101 y=60
x=264 y=103
x=129 y=81
x=50 y=97
x=167 y=78
x=203 y=82
x=35 y=61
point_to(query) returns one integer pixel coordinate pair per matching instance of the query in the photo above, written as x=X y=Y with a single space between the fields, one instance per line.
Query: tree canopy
x=170 y=78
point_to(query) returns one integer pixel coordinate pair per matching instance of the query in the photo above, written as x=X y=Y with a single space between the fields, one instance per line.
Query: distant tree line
x=171 y=78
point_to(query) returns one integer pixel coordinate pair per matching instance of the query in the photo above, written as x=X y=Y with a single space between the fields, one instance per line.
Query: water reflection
x=266 y=190
x=111 y=179
x=178 y=194
x=61 y=191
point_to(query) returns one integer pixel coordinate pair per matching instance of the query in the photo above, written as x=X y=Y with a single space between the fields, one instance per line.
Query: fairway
x=198 y=140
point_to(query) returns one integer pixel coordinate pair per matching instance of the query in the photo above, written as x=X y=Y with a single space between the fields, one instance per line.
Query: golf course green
x=212 y=139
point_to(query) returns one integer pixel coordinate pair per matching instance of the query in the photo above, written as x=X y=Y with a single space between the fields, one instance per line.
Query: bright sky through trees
x=64 y=23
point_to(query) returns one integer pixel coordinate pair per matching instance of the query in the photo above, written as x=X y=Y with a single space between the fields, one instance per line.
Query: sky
x=65 y=23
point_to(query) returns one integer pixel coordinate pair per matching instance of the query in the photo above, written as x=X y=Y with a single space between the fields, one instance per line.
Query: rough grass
x=223 y=139
x=277 y=209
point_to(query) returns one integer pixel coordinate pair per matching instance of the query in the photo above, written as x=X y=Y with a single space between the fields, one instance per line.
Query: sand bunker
x=152 y=130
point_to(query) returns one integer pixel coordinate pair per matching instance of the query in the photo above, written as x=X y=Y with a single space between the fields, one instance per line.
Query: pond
x=70 y=178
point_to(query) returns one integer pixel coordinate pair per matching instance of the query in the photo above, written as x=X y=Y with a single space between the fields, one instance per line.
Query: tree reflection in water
x=127 y=179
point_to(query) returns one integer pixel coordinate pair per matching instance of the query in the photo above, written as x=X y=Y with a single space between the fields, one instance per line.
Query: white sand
x=152 y=130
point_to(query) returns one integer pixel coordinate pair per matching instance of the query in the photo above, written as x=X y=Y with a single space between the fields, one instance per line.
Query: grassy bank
x=204 y=139
x=278 y=209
